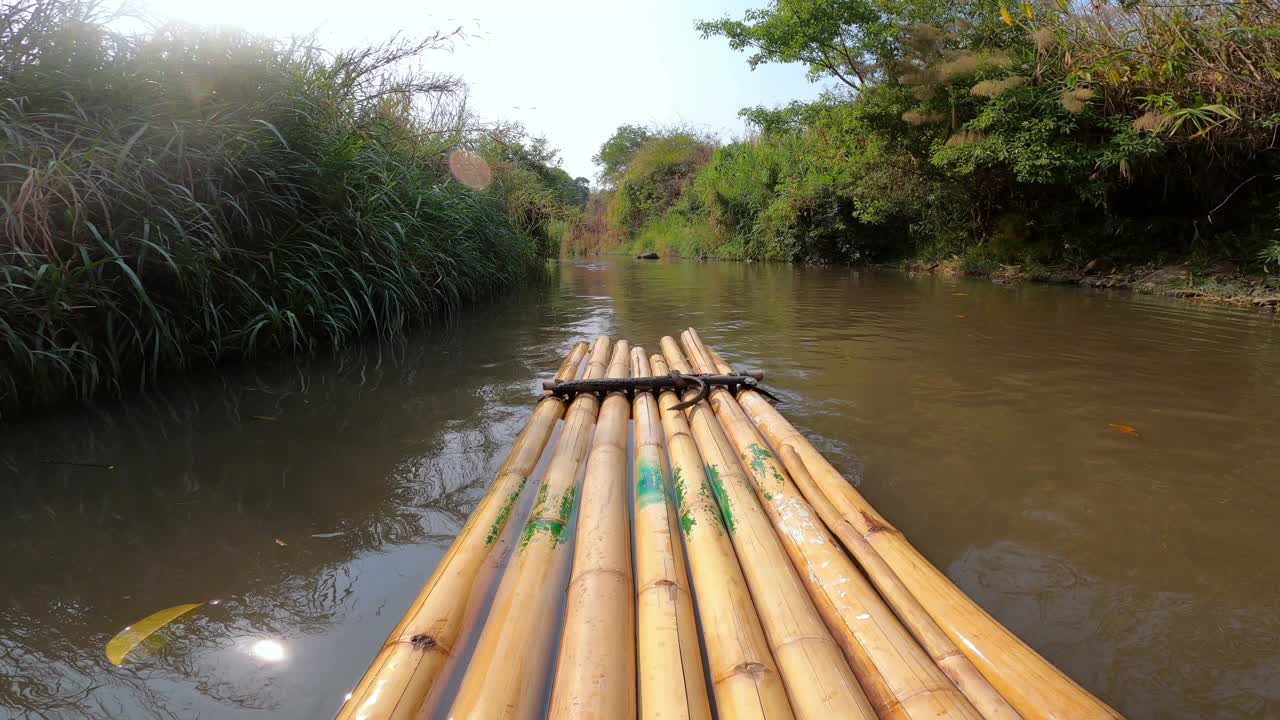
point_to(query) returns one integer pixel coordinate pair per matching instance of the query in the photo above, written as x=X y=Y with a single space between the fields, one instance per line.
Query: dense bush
x=1046 y=130
x=658 y=175
x=591 y=234
x=183 y=197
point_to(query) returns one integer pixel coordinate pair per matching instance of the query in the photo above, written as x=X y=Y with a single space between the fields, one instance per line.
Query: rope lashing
x=750 y=380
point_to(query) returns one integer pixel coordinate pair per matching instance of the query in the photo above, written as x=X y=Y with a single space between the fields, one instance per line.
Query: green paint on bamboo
x=717 y=487
x=650 y=485
x=504 y=514
x=550 y=526
x=566 y=504
x=687 y=520
x=755 y=458
x=541 y=499
x=554 y=528
x=689 y=511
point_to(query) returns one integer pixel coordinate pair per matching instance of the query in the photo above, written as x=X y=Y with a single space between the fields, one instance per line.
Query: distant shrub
x=657 y=176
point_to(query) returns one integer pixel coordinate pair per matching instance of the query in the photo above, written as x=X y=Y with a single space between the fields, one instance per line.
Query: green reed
x=175 y=200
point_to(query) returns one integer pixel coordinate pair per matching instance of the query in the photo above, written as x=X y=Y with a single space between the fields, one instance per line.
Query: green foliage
x=178 y=199
x=656 y=178
x=675 y=234
x=847 y=39
x=617 y=151
x=978 y=260
x=1269 y=255
x=1042 y=132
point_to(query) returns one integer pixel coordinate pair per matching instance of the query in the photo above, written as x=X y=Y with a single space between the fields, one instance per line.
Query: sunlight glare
x=268 y=650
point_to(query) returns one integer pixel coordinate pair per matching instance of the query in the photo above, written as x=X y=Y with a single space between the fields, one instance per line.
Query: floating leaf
x=128 y=638
x=266 y=418
x=1126 y=429
x=281 y=543
x=1004 y=15
x=73 y=463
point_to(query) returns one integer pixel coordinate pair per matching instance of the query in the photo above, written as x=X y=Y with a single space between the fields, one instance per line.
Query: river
x=311 y=500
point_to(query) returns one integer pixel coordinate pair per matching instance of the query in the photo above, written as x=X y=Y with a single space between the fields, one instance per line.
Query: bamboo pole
x=411 y=660
x=744 y=676
x=985 y=699
x=818 y=680
x=900 y=679
x=1033 y=686
x=596 y=673
x=670 y=657
x=507 y=675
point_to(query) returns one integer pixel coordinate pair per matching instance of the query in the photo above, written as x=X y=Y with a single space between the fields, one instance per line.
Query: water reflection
x=373 y=454
x=974 y=416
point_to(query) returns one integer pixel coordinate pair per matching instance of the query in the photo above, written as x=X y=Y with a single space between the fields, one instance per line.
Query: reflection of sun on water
x=268 y=650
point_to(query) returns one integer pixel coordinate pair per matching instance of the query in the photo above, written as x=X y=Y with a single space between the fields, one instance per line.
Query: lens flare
x=470 y=169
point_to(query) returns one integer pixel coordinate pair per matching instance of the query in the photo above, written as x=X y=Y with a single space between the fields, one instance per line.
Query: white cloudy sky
x=572 y=70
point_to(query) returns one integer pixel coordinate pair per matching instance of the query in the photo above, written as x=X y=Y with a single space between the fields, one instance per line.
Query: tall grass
x=186 y=197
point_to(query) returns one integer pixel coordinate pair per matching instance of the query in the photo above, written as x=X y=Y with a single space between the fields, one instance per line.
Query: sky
x=571 y=70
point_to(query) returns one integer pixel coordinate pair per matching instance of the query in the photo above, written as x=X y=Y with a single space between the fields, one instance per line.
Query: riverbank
x=1221 y=282
x=1027 y=136
x=184 y=198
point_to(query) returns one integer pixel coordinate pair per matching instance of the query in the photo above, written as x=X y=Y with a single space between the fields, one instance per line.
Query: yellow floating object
x=127 y=639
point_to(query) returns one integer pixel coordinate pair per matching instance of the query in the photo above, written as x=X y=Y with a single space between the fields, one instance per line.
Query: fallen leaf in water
x=268 y=418
x=962 y=316
x=73 y=463
x=329 y=534
x=128 y=638
x=1126 y=429
x=281 y=543
x=959 y=294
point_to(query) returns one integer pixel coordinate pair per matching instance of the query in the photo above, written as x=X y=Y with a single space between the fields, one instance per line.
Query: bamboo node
x=887 y=706
x=670 y=587
x=422 y=642
x=750 y=668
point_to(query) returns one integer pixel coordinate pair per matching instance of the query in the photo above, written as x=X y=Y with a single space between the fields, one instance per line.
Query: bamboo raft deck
x=723 y=569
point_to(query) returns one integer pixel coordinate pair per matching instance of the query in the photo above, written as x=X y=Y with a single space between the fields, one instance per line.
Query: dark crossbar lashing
x=568 y=389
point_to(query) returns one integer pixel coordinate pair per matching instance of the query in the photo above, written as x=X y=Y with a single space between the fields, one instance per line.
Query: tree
x=851 y=40
x=617 y=151
x=569 y=191
x=837 y=37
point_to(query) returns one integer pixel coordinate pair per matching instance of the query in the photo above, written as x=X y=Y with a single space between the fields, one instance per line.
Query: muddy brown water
x=974 y=416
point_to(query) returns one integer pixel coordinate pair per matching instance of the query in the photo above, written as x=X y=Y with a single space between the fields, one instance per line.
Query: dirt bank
x=1222 y=282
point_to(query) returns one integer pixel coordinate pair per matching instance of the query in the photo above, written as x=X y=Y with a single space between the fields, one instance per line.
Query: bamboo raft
x=723 y=569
